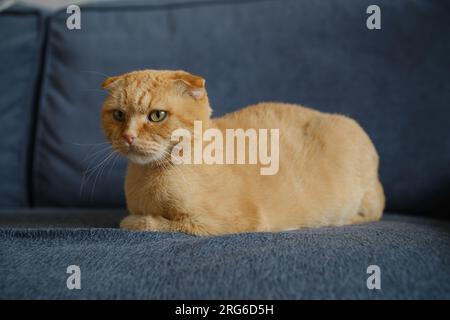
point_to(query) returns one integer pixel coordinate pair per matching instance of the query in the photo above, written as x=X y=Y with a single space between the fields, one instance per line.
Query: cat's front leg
x=135 y=222
x=158 y=223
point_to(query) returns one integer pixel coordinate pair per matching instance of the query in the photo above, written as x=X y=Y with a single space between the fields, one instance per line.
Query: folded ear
x=109 y=82
x=194 y=86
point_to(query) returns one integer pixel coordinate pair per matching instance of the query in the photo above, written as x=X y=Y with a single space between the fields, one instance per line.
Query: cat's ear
x=192 y=85
x=110 y=82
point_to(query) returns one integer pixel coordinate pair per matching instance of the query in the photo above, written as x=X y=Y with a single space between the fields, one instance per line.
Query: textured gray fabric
x=325 y=263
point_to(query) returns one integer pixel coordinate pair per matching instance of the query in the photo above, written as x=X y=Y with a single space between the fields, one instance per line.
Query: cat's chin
x=143 y=159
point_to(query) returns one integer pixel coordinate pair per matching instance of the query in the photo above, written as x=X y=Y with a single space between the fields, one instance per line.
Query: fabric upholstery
x=21 y=35
x=324 y=263
x=394 y=81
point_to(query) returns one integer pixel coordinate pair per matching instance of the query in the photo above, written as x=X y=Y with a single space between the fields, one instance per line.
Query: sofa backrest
x=21 y=39
x=394 y=81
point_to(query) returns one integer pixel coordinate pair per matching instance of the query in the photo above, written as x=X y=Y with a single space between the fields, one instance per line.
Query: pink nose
x=128 y=138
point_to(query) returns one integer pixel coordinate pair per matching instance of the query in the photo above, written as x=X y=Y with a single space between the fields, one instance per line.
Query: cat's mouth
x=141 y=157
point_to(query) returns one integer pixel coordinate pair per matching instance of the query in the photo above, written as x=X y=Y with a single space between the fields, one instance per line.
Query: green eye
x=119 y=115
x=157 y=115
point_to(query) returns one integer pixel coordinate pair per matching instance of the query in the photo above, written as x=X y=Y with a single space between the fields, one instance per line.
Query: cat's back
x=267 y=115
x=294 y=119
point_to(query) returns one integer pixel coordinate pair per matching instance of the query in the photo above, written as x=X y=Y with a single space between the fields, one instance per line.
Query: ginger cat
x=327 y=175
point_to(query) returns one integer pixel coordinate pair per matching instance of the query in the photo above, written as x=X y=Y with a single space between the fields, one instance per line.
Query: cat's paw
x=137 y=223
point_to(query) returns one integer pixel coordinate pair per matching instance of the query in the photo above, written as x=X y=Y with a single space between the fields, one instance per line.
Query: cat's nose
x=128 y=138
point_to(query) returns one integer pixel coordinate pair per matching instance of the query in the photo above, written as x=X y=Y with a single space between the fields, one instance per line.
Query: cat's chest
x=147 y=191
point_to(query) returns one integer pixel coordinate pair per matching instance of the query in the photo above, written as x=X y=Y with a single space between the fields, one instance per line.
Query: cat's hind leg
x=372 y=205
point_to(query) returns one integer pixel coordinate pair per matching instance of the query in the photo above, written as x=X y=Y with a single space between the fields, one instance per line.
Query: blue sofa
x=60 y=205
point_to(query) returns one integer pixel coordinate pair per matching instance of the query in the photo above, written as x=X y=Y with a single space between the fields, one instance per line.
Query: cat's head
x=143 y=108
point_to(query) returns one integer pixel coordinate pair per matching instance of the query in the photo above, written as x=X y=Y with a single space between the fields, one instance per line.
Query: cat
x=328 y=166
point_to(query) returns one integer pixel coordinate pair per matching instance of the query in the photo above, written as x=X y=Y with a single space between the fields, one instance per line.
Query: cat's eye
x=157 y=115
x=119 y=115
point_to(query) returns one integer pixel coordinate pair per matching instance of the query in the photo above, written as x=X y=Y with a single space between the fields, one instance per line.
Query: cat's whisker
x=96 y=72
x=92 y=156
x=100 y=171
x=89 y=167
x=89 y=144
x=90 y=170
x=116 y=156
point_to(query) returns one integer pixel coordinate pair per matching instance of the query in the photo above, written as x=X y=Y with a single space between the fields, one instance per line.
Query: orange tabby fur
x=328 y=173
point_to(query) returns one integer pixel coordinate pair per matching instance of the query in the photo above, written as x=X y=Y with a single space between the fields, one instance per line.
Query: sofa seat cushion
x=413 y=255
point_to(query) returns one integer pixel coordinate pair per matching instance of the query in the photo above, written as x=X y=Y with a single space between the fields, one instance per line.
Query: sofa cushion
x=20 y=54
x=60 y=218
x=394 y=81
x=324 y=263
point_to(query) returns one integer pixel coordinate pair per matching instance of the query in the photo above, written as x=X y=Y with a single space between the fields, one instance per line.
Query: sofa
x=61 y=201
